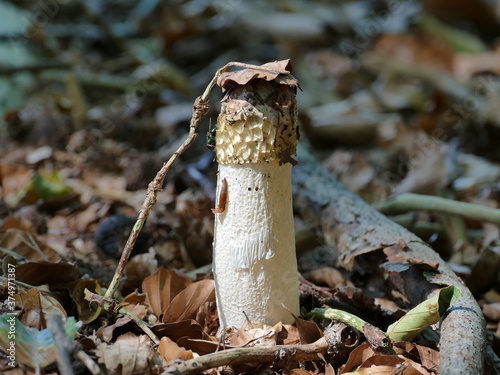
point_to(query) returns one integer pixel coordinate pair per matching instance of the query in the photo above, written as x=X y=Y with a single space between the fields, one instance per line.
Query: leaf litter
x=381 y=128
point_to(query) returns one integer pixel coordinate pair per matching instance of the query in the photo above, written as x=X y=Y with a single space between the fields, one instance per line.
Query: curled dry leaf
x=268 y=72
x=184 y=328
x=420 y=49
x=309 y=331
x=161 y=287
x=416 y=361
x=255 y=334
x=130 y=359
x=106 y=333
x=138 y=269
x=27 y=245
x=171 y=351
x=329 y=276
x=53 y=274
x=87 y=312
x=186 y=304
x=492 y=311
x=35 y=305
x=12 y=178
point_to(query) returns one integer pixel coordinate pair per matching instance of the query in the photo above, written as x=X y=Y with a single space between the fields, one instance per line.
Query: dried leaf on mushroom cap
x=268 y=72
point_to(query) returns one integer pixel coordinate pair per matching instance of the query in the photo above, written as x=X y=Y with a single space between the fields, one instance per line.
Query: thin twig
x=407 y=202
x=142 y=325
x=200 y=108
x=64 y=348
x=35 y=68
x=67 y=348
x=88 y=362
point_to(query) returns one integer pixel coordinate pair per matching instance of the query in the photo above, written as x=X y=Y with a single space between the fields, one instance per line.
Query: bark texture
x=355 y=228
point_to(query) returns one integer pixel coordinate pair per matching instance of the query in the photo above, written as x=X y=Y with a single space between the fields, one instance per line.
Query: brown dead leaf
x=386 y=304
x=35 y=305
x=363 y=359
x=87 y=216
x=124 y=359
x=201 y=346
x=292 y=335
x=416 y=48
x=27 y=245
x=357 y=357
x=268 y=72
x=106 y=333
x=171 y=351
x=12 y=178
x=131 y=339
x=427 y=171
x=429 y=357
x=184 y=328
x=161 y=287
x=492 y=311
x=134 y=298
x=87 y=311
x=47 y=273
x=352 y=168
x=186 y=304
x=329 y=276
x=138 y=269
x=16 y=222
x=255 y=334
x=309 y=331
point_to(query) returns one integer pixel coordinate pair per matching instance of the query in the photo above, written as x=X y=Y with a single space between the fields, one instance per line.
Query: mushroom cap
x=257 y=123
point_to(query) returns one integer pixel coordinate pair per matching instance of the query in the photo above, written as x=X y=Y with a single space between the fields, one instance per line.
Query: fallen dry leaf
x=57 y=274
x=35 y=305
x=186 y=304
x=268 y=72
x=171 y=351
x=161 y=287
x=124 y=359
x=28 y=245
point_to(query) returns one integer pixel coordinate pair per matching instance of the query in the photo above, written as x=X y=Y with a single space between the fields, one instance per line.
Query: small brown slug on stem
x=221 y=204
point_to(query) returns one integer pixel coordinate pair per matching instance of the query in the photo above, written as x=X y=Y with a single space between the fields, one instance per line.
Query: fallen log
x=354 y=228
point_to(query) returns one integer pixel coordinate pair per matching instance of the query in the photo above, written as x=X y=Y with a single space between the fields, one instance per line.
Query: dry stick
x=88 y=362
x=67 y=348
x=408 y=202
x=55 y=326
x=354 y=227
x=262 y=354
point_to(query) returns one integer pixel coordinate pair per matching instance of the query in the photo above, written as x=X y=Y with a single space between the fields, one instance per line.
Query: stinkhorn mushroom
x=254 y=265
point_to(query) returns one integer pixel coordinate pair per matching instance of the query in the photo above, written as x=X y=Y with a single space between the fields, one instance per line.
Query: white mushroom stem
x=255 y=266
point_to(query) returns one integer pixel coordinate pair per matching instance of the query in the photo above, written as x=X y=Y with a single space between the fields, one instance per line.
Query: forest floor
x=396 y=97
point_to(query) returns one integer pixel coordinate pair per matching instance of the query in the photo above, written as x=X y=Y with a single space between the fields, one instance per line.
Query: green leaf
x=42 y=186
x=28 y=346
x=423 y=315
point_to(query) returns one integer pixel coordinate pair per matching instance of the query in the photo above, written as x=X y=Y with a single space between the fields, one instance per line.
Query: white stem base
x=255 y=265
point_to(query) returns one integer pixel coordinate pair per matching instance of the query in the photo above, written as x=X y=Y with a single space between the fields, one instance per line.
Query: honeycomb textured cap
x=257 y=123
